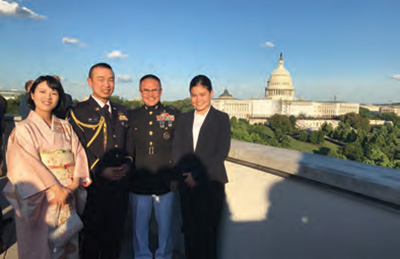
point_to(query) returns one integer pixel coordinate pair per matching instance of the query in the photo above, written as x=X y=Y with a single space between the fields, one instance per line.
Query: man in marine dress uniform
x=152 y=127
x=102 y=129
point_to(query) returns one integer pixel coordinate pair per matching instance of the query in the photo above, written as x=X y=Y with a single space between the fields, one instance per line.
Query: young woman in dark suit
x=201 y=144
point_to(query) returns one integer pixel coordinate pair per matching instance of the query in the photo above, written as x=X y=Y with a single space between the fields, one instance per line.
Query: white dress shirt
x=197 y=123
x=102 y=104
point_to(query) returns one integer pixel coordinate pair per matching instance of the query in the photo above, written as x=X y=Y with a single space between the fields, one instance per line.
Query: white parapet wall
x=373 y=181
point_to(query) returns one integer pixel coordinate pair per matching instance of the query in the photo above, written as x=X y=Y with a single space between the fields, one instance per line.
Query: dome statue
x=280 y=86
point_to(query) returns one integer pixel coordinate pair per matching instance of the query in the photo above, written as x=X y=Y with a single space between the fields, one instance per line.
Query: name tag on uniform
x=94 y=119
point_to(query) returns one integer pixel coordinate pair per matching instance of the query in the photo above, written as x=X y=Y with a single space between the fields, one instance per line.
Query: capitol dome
x=226 y=95
x=280 y=86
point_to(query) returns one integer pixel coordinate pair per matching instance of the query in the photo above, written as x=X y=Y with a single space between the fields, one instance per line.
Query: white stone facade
x=279 y=99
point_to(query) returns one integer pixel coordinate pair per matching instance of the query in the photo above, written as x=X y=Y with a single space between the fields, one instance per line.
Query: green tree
x=362 y=136
x=356 y=121
x=365 y=113
x=390 y=116
x=341 y=131
x=317 y=137
x=292 y=120
x=354 y=151
x=281 y=122
x=303 y=135
x=333 y=153
x=352 y=136
x=183 y=105
x=378 y=157
x=234 y=121
x=126 y=103
x=326 y=128
x=13 y=105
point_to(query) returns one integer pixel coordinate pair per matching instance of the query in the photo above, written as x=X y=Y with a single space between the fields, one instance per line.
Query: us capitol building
x=279 y=99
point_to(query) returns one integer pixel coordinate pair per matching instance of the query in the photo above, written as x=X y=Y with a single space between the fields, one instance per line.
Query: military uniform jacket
x=103 y=137
x=152 y=129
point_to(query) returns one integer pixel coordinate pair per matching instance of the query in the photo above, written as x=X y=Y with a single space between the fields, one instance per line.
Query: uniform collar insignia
x=152 y=108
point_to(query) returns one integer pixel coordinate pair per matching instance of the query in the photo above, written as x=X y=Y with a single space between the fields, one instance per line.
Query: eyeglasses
x=147 y=91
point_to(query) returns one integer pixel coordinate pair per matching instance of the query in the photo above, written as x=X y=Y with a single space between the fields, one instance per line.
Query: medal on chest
x=165 y=118
x=122 y=118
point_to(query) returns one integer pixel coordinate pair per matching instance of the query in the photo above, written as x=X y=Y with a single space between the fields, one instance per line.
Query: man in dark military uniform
x=152 y=127
x=102 y=129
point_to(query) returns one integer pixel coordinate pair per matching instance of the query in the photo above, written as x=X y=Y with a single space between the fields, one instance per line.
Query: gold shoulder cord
x=98 y=126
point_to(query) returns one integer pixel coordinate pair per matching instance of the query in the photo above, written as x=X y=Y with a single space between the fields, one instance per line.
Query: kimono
x=30 y=149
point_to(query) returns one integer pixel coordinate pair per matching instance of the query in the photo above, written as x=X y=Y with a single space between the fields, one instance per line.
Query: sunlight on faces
x=150 y=91
x=201 y=98
x=45 y=98
x=102 y=83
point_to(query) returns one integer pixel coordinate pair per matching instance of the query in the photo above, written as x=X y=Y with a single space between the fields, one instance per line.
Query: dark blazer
x=207 y=161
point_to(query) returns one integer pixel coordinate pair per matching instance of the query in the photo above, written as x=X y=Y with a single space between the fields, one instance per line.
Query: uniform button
x=151 y=133
x=116 y=146
x=166 y=128
x=150 y=123
x=151 y=143
x=114 y=136
x=150 y=112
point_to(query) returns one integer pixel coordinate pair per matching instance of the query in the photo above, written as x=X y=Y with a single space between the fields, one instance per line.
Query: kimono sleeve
x=81 y=163
x=25 y=169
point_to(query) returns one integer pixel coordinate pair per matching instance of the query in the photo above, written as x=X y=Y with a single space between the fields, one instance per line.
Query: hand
x=173 y=185
x=75 y=184
x=115 y=173
x=189 y=180
x=61 y=194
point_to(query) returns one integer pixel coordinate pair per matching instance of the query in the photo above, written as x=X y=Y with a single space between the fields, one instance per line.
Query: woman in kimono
x=46 y=164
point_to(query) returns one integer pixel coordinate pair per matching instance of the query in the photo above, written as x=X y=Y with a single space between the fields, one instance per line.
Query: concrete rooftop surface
x=288 y=204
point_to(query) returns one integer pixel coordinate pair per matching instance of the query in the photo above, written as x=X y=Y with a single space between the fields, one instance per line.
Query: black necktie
x=106 y=110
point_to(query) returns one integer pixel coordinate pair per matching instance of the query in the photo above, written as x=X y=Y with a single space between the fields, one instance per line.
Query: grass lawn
x=322 y=149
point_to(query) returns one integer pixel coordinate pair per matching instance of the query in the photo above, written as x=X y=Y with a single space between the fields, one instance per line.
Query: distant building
x=11 y=94
x=387 y=109
x=279 y=99
x=372 y=108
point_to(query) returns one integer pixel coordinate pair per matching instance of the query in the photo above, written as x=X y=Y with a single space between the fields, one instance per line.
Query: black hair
x=54 y=84
x=151 y=76
x=201 y=80
x=103 y=65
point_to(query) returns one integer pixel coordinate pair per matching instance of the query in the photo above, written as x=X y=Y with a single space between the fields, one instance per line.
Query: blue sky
x=347 y=48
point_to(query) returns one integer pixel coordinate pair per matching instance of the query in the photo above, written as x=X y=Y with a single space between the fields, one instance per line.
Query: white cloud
x=397 y=76
x=73 y=41
x=268 y=44
x=124 y=78
x=77 y=83
x=13 y=9
x=116 y=54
